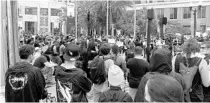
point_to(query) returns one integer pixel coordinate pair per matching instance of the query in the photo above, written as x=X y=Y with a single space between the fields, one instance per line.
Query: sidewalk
x=2 y=94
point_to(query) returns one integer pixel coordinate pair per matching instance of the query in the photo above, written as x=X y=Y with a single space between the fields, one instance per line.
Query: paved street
x=2 y=94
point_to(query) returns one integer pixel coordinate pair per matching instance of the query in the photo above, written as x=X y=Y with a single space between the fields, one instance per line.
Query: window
x=160 y=13
x=137 y=2
x=20 y=12
x=202 y=12
x=44 y=11
x=150 y=1
x=160 y=0
x=55 y=12
x=186 y=13
x=173 y=13
x=43 y=21
x=31 y=10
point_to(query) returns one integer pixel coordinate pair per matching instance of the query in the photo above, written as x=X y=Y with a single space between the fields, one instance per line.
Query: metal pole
x=195 y=23
x=161 y=31
x=76 y=19
x=66 y=18
x=134 y=35
x=107 y=20
x=148 y=39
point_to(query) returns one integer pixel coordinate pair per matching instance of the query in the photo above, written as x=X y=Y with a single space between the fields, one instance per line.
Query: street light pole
x=134 y=30
x=76 y=18
x=150 y=16
x=107 y=20
x=195 y=23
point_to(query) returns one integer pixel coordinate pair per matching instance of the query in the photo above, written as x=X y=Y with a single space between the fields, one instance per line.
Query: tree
x=126 y=23
x=175 y=27
x=98 y=11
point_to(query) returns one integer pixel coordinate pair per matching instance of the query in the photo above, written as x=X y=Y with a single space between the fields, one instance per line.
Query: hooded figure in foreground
x=163 y=88
x=160 y=64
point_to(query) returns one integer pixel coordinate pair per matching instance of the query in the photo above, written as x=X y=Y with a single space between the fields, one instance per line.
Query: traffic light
x=150 y=14
x=163 y=21
x=88 y=16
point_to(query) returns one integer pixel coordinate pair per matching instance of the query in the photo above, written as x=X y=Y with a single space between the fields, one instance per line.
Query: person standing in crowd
x=163 y=88
x=130 y=52
x=115 y=93
x=72 y=83
x=190 y=59
x=24 y=82
x=70 y=56
x=55 y=48
x=62 y=50
x=104 y=61
x=92 y=52
x=160 y=63
x=138 y=67
x=206 y=52
x=83 y=58
x=37 y=53
x=118 y=59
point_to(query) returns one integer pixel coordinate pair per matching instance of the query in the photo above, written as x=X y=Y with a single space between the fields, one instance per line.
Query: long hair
x=163 y=88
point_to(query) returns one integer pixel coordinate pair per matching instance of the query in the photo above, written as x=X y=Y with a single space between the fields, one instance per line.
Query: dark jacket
x=138 y=68
x=160 y=63
x=77 y=77
x=115 y=94
x=24 y=83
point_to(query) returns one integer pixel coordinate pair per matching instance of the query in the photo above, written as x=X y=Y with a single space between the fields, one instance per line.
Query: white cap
x=115 y=75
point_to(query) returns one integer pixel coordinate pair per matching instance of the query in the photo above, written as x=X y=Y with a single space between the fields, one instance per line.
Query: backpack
x=188 y=74
x=97 y=70
x=122 y=95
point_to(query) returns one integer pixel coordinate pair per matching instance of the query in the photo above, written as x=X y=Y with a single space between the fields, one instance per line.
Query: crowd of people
x=95 y=69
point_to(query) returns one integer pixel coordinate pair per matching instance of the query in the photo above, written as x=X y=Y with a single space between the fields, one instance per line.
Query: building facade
x=43 y=16
x=182 y=15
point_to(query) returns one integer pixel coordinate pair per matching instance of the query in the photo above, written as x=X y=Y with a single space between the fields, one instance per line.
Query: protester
x=55 y=48
x=118 y=58
x=83 y=58
x=24 y=82
x=115 y=93
x=62 y=50
x=70 y=56
x=163 y=88
x=71 y=79
x=138 y=67
x=160 y=64
x=99 y=69
x=206 y=90
x=91 y=50
x=37 y=53
x=191 y=59
x=130 y=52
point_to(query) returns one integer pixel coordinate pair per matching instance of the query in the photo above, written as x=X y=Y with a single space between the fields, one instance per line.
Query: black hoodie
x=80 y=83
x=24 y=83
x=160 y=62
